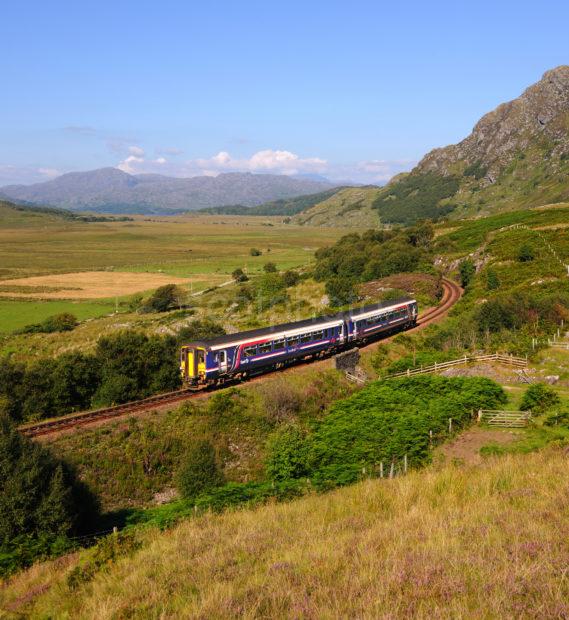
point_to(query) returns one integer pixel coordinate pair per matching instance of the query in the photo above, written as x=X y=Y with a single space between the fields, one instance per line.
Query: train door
x=222 y=361
x=200 y=353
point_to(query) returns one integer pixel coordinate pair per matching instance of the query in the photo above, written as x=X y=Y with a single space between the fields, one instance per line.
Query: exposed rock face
x=540 y=116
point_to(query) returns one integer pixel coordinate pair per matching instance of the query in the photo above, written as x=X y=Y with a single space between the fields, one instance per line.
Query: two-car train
x=241 y=355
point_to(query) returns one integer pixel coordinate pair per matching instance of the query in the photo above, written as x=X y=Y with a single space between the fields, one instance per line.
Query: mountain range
x=109 y=190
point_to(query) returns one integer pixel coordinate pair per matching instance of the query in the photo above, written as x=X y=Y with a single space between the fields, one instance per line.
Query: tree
x=291 y=278
x=199 y=471
x=539 y=397
x=199 y=329
x=271 y=290
x=492 y=281
x=239 y=275
x=255 y=252
x=270 y=268
x=467 y=269
x=162 y=299
x=525 y=253
x=288 y=454
x=39 y=495
x=341 y=291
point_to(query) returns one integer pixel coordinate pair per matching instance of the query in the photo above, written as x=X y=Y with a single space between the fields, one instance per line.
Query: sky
x=349 y=90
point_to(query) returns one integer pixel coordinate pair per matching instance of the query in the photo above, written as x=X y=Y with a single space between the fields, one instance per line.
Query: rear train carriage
x=240 y=355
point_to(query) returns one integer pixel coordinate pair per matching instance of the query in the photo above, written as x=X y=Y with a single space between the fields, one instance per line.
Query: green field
x=17 y=314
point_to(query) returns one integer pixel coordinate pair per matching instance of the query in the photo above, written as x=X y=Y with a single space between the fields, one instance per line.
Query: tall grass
x=485 y=542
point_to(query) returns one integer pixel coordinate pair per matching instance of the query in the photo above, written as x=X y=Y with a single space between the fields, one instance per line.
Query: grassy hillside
x=488 y=541
x=350 y=207
x=284 y=206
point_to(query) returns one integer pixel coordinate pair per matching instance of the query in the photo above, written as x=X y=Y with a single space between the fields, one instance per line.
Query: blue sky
x=357 y=90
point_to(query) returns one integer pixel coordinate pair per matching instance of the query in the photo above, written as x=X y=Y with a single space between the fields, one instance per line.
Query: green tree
x=287 y=454
x=239 y=275
x=492 y=281
x=271 y=290
x=199 y=329
x=341 y=291
x=525 y=253
x=162 y=299
x=39 y=495
x=539 y=397
x=291 y=278
x=467 y=270
x=199 y=471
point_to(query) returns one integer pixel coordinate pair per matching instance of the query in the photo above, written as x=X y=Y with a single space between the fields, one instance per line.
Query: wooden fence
x=499 y=417
x=518 y=362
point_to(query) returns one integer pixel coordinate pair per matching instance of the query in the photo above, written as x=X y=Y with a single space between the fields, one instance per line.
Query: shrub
x=525 y=253
x=63 y=322
x=492 y=281
x=271 y=290
x=40 y=498
x=538 y=398
x=270 y=268
x=255 y=252
x=239 y=275
x=162 y=299
x=341 y=291
x=199 y=471
x=287 y=454
x=199 y=329
x=467 y=270
x=291 y=278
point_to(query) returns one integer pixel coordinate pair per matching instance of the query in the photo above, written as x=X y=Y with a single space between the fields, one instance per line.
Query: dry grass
x=97 y=284
x=482 y=542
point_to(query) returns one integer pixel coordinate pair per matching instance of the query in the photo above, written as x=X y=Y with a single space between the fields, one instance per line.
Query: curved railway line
x=451 y=294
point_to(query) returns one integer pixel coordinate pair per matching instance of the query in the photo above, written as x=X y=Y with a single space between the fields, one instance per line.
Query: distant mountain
x=109 y=190
x=283 y=206
x=516 y=156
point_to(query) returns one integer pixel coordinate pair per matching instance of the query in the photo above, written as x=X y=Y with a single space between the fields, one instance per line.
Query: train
x=244 y=354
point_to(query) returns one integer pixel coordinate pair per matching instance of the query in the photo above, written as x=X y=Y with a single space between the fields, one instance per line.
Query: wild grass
x=480 y=542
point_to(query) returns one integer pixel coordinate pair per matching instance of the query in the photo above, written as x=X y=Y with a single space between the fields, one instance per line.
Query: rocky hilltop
x=539 y=117
x=517 y=156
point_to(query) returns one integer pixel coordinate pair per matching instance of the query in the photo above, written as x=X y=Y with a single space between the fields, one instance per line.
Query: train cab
x=192 y=364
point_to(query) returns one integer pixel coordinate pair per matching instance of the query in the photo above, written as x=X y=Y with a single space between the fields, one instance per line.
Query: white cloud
x=49 y=172
x=15 y=175
x=136 y=151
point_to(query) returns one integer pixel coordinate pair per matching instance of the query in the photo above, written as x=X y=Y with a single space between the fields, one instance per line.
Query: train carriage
x=240 y=355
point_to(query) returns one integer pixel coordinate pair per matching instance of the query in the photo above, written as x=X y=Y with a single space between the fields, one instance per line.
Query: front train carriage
x=243 y=354
x=258 y=350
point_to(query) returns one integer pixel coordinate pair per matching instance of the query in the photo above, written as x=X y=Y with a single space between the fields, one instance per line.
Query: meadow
x=487 y=541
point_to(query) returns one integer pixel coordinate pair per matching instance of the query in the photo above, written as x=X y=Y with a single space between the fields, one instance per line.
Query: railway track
x=451 y=294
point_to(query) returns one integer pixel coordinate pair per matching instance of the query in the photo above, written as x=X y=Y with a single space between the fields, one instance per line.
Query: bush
x=467 y=270
x=40 y=498
x=341 y=291
x=162 y=299
x=525 y=253
x=239 y=275
x=270 y=268
x=199 y=471
x=291 y=278
x=492 y=281
x=538 y=398
x=63 y=322
x=199 y=329
x=271 y=290
x=288 y=454
x=255 y=252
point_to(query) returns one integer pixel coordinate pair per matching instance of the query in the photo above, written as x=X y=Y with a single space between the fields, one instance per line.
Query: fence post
x=450 y=425
x=392 y=469
x=479 y=416
x=405 y=463
x=430 y=438
x=381 y=469
x=435 y=366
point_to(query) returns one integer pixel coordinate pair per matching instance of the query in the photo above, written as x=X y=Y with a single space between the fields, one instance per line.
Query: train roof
x=285 y=327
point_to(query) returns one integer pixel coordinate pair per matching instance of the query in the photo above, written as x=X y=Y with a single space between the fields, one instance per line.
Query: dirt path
x=466 y=447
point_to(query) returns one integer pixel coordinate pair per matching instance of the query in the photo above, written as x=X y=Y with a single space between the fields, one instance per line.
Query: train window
x=201 y=356
x=292 y=341
x=317 y=335
x=279 y=345
x=250 y=351
x=266 y=347
x=306 y=338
